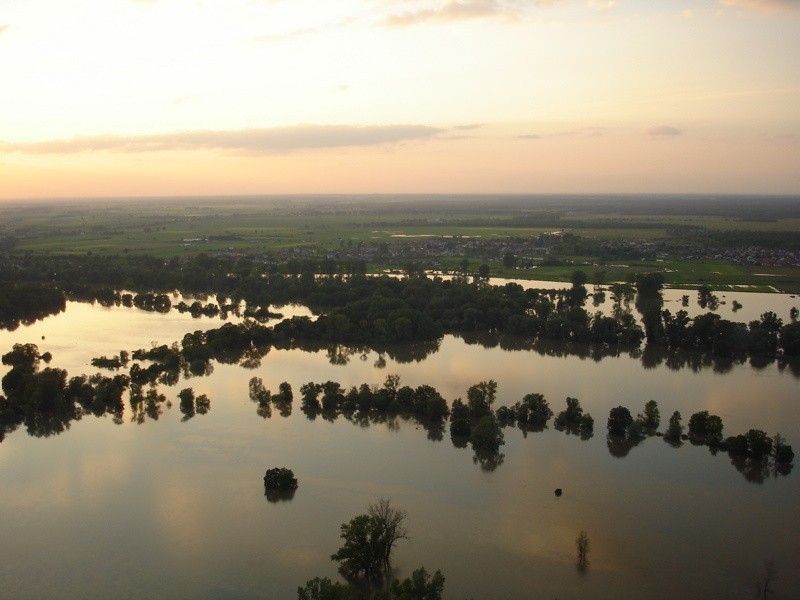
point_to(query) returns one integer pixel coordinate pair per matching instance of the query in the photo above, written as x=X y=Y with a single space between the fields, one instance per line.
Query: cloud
x=468 y=126
x=584 y=132
x=282 y=37
x=3 y=28
x=183 y=100
x=662 y=130
x=763 y=5
x=601 y=5
x=249 y=141
x=529 y=136
x=461 y=10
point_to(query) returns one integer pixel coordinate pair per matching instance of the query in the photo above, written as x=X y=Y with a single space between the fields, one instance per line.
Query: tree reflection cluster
x=754 y=454
x=47 y=402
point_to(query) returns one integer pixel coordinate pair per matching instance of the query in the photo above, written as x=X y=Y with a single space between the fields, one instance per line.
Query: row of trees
x=46 y=400
x=28 y=302
x=755 y=447
x=380 y=310
x=354 y=309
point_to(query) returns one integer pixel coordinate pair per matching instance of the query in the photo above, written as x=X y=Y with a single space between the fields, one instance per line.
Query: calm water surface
x=177 y=509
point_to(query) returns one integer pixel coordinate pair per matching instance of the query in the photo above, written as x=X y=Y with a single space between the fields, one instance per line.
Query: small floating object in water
x=558 y=492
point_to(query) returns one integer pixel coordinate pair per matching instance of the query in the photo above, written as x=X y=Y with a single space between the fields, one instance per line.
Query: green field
x=270 y=226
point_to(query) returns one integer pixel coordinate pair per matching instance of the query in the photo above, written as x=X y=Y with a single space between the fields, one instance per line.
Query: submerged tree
x=764 y=583
x=651 y=418
x=390 y=522
x=369 y=540
x=480 y=398
x=619 y=420
x=487 y=436
x=325 y=589
x=420 y=586
x=582 y=545
x=675 y=429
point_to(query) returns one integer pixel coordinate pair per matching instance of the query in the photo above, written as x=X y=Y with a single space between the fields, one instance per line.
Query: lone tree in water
x=390 y=523
x=369 y=540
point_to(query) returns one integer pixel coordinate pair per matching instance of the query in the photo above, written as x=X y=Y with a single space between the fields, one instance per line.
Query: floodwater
x=176 y=508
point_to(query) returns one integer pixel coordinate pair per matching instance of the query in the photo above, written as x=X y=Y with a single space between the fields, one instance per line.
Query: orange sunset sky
x=184 y=97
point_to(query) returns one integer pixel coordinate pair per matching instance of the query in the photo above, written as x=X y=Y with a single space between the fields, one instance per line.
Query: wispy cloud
x=662 y=130
x=764 y=5
x=602 y=5
x=461 y=10
x=183 y=100
x=274 y=140
x=468 y=126
x=529 y=136
x=584 y=132
x=283 y=37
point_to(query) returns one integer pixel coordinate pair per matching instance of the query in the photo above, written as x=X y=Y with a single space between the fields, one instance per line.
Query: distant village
x=526 y=252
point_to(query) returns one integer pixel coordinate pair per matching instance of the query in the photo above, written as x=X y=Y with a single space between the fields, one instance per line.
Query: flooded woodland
x=171 y=502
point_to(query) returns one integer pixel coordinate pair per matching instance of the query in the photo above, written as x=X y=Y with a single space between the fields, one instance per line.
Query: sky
x=106 y=98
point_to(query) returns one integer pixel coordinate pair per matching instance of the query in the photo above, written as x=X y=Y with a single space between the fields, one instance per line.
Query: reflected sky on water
x=177 y=508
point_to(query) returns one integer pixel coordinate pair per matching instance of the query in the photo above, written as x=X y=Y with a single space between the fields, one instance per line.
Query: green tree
x=391 y=525
x=572 y=415
x=705 y=427
x=533 y=410
x=675 y=429
x=369 y=540
x=790 y=339
x=759 y=444
x=361 y=552
x=509 y=260
x=325 y=589
x=651 y=418
x=619 y=420
x=487 y=436
x=782 y=451
x=460 y=419
x=578 y=278
x=480 y=398
x=420 y=586
x=586 y=426
x=649 y=284
x=280 y=478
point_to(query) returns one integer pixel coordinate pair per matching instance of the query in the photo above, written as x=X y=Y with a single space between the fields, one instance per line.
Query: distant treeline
x=28 y=302
x=356 y=309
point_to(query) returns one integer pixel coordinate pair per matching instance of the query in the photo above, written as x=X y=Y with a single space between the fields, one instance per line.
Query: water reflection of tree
x=620 y=446
x=146 y=406
x=758 y=471
x=488 y=461
x=275 y=496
